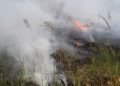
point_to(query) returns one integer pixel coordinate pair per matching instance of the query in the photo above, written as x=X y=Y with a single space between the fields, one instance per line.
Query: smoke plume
x=28 y=40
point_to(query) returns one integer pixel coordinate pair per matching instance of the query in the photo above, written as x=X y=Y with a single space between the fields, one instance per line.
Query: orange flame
x=81 y=26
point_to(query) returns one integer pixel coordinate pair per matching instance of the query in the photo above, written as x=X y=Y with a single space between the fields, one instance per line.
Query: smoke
x=23 y=37
x=26 y=38
x=92 y=10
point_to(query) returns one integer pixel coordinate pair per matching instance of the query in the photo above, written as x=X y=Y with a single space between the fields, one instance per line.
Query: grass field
x=101 y=68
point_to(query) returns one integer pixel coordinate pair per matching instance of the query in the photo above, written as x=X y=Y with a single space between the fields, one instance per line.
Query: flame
x=81 y=26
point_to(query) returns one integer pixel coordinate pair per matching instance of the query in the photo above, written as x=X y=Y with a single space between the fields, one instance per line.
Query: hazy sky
x=91 y=8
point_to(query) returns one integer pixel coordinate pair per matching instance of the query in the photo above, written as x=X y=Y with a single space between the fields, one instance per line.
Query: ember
x=77 y=44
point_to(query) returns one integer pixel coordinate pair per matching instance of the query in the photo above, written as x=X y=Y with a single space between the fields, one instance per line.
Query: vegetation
x=11 y=74
x=100 y=68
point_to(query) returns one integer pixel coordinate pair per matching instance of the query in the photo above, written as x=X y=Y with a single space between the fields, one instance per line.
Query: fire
x=81 y=26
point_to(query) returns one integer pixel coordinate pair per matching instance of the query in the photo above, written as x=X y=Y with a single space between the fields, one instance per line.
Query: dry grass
x=101 y=68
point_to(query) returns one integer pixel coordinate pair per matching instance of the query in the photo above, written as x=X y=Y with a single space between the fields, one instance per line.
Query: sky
x=91 y=8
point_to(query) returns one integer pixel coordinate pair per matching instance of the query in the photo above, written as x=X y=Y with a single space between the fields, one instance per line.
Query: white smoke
x=90 y=10
x=30 y=43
